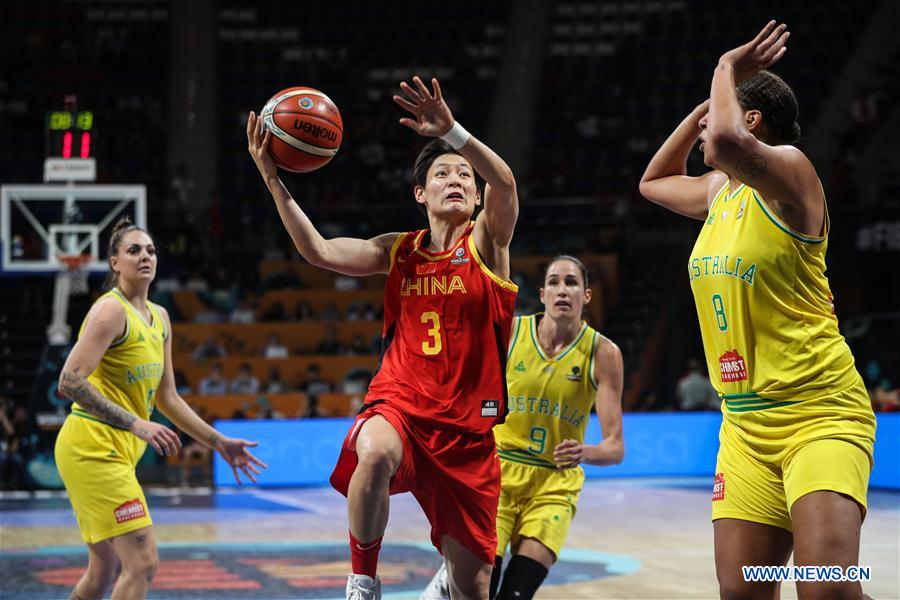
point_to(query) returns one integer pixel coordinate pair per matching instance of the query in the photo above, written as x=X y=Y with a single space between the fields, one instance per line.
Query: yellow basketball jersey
x=765 y=308
x=131 y=369
x=550 y=398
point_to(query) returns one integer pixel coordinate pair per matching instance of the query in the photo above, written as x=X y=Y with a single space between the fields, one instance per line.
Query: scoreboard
x=69 y=133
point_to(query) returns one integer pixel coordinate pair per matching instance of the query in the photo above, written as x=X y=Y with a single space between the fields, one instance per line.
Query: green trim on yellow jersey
x=734 y=194
x=751 y=405
x=727 y=397
x=81 y=413
x=515 y=336
x=593 y=362
x=806 y=239
x=525 y=458
x=722 y=190
x=125 y=335
x=153 y=320
x=564 y=351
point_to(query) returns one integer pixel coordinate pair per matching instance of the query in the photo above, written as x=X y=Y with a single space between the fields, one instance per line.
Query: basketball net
x=76 y=269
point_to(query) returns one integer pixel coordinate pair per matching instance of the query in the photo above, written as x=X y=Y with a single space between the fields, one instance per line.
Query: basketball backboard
x=40 y=223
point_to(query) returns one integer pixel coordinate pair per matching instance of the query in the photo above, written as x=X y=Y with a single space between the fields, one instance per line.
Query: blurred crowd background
x=576 y=94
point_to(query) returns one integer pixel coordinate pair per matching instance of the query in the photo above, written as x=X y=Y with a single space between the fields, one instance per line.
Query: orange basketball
x=306 y=128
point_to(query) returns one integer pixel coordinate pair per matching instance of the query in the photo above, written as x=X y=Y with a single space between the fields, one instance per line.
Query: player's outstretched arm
x=432 y=118
x=234 y=451
x=350 y=256
x=666 y=182
x=105 y=323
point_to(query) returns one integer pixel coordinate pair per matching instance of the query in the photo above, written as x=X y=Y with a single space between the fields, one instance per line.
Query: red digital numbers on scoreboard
x=69 y=133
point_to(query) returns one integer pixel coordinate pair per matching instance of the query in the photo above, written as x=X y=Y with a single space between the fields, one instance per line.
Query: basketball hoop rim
x=74 y=262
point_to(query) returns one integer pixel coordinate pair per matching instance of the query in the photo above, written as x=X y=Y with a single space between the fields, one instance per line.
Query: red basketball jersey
x=447 y=321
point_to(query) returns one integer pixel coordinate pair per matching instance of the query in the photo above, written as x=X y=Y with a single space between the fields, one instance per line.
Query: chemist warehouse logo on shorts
x=133 y=509
x=719 y=487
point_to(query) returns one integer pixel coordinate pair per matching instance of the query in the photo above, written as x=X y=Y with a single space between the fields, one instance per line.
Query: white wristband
x=457 y=137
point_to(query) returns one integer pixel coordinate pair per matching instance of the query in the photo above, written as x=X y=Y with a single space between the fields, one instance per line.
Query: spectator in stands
x=275 y=384
x=241 y=412
x=214 y=383
x=181 y=186
x=695 y=392
x=13 y=424
x=265 y=410
x=314 y=385
x=370 y=313
x=245 y=312
x=275 y=313
x=182 y=385
x=356 y=381
x=872 y=372
x=196 y=282
x=884 y=398
x=329 y=313
x=357 y=347
x=312 y=409
x=303 y=311
x=330 y=345
x=354 y=312
x=245 y=382
x=208 y=349
x=193 y=453
x=274 y=348
x=375 y=344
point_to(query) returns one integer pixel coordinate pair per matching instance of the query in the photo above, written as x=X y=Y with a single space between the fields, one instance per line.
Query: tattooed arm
x=736 y=139
x=234 y=451
x=77 y=388
x=104 y=324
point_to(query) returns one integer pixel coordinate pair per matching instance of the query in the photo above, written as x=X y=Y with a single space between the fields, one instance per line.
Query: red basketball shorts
x=454 y=476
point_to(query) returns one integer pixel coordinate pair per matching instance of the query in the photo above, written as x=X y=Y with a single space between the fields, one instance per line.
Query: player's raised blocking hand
x=432 y=115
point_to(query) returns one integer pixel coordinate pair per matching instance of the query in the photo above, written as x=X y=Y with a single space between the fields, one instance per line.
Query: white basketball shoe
x=363 y=587
x=438 y=588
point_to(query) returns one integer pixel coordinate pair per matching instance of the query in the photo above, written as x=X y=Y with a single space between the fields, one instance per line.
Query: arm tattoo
x=752 y=167
x=77 y=388
x=214 y=440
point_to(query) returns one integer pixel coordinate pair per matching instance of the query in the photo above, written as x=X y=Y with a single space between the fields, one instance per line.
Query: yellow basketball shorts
x=770 y=458
x=94 y=463
x=536 y=502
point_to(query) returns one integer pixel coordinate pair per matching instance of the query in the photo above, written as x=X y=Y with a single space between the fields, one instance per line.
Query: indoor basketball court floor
x=631 y=538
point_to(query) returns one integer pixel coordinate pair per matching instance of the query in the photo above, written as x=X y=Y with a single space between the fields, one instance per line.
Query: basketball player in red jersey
x=440 y=385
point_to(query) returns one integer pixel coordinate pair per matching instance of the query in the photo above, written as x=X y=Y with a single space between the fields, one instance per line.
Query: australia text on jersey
x=141 y=372
x=718 y=265
x=546 y=407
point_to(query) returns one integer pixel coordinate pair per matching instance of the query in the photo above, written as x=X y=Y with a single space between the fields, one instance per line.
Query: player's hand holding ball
x=258 y=139
x=299 y=129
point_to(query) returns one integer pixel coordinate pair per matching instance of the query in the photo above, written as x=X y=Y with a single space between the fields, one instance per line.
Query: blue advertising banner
x=303 y=452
